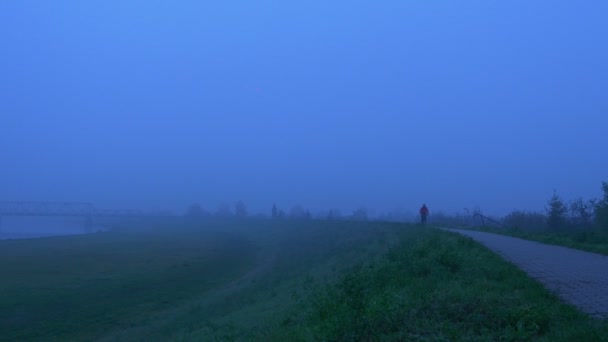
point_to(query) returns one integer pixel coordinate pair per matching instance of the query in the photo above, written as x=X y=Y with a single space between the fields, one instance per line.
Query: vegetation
x=556 y=213
x=526 y=221
x=581 y=224
x=601 y=209
x=234 y=279
x=440 y=287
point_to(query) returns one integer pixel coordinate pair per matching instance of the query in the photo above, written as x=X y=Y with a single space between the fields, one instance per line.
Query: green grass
x=275 y=281
x=592 y=240
x=433 y=286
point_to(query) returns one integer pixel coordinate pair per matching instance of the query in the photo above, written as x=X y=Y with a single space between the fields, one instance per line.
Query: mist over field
x=157 y=105
x=256 y=170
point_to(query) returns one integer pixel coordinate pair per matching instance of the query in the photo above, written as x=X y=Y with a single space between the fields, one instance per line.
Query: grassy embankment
x=263 y=280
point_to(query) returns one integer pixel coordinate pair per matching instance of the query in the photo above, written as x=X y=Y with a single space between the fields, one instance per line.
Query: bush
x=601 y=209
x=526 y=221
x=581 y=215
x=556 y=213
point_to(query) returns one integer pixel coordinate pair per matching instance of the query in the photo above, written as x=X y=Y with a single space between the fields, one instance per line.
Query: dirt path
x=263 y=266
x=577 y=277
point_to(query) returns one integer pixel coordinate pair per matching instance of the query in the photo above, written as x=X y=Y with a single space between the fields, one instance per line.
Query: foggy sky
x=383 y=104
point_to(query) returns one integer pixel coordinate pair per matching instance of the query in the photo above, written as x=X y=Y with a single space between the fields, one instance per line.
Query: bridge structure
x=67 y=209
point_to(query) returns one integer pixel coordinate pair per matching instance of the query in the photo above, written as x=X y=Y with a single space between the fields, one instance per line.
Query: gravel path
x=577 y=277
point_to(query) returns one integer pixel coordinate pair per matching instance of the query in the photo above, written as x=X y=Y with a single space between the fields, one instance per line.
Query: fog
x=31 y=227
x=156 y=105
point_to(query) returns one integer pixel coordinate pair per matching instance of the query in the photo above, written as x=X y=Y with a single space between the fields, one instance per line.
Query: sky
x=327 y=104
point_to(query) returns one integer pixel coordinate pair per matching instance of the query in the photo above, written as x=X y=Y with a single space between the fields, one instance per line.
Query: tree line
x=561 y=215
x=298 y=212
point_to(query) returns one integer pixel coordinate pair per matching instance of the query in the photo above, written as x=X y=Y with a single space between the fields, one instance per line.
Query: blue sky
x=383 y=104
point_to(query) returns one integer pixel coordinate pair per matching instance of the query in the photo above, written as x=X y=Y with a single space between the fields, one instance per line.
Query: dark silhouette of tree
x=581 y=212
x=556 y=213
x=195 y=210
x=526 y=220
x=334 y=214
x=275 y=211
x=224 y=210
x=297 y=213
x=601 y=209
x=360 y=214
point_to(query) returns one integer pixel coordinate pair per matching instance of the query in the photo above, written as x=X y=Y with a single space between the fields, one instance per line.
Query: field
x=266 y=280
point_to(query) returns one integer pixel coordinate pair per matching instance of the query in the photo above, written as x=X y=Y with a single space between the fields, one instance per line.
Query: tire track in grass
x=263 y=265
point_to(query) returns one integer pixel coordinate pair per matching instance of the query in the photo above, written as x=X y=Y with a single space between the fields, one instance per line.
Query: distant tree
x=334 y=214
x=297 y=212
x=360 y=214
x=556 y=213
x=275 y=211
x=240 y=209
x=308 y=215
x=581 y=212
x=224 y=210
x=281 y=214
x=195 y=210
x=601 y=209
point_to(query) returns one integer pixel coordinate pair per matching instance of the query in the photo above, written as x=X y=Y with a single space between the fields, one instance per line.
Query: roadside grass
x=443 y=288
x=591 y=240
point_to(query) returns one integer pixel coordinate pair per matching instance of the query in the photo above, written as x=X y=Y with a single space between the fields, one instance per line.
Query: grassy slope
x=281 y=281
x=298 y=252
x=589 y=240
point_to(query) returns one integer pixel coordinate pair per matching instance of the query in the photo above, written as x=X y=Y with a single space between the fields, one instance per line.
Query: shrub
x=581 y=213
x=526 y=220
x=556 y=213
x=601 y=209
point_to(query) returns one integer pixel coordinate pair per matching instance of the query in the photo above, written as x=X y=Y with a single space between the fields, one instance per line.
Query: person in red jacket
x=424 y=212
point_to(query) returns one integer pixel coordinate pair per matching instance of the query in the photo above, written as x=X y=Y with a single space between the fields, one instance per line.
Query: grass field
x=274 y=281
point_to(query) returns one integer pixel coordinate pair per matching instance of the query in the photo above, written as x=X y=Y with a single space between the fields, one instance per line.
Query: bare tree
x=360 y=214
x=581 y=212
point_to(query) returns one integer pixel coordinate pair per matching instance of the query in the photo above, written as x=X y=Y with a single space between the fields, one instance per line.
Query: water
x=36 y=227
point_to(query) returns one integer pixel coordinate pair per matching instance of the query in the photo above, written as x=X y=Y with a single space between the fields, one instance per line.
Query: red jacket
x=424 y=210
